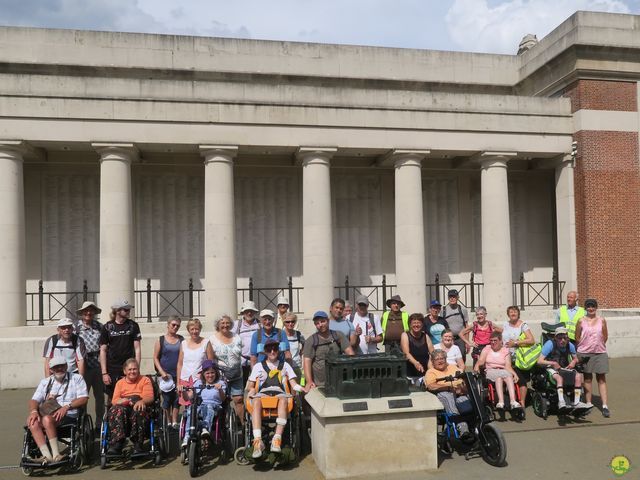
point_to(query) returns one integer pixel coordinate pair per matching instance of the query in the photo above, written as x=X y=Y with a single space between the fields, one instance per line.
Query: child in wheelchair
x=269 y=386
x=209 y=394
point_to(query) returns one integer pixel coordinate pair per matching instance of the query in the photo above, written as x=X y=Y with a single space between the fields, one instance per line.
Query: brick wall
x=607 y=198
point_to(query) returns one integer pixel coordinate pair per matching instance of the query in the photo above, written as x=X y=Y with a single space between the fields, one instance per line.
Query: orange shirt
x=432 y=374
x=142 y=388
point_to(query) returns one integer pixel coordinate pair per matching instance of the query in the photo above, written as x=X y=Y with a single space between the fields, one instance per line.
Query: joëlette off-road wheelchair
x=484 y=439
x=157 y=434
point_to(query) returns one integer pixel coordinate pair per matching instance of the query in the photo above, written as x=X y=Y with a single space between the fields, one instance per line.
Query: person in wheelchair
x=270 y=378
x=451 y=392
x=496 y=359
x=129 y=413
x=558 y=357
x=55 y=403
x=211 y=390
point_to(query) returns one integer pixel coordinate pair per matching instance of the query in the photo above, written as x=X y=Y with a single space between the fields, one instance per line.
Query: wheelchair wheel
x=86 y=440
x=240 y=457
x=163 y=437
x=27 y=471
x=194 y=458
x=540 y=405
x=493 y=447
x=233 y=430
x=444 y=445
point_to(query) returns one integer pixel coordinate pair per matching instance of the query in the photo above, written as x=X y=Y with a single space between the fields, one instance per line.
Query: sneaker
x=515 y=405
x=580 y=405
x=258 y=447
x=205 y=433
x=59 y=458
x=499 y=406
x=606 y=413
x=589 y=405
x=185 y=442
x=276 y=444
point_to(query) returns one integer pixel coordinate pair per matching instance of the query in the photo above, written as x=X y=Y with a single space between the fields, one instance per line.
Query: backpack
x=459 y=309
x=278 y=333
x=371 y=322
x=315 y=340
x=54 y=342
x=475 y=329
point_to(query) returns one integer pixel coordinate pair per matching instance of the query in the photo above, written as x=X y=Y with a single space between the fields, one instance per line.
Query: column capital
x=307 y=155
x=126 y=152
x=495 y=159
x=218 y=153
x=565 y=160
x=18 y=149
x=403 y=157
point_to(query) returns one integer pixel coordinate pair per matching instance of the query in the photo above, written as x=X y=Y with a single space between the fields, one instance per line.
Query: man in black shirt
x=119 y=341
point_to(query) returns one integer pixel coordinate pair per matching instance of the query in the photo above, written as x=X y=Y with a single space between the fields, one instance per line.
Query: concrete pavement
x=536 y=448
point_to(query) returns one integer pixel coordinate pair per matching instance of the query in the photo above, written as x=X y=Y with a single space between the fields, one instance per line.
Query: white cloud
x=475 y=25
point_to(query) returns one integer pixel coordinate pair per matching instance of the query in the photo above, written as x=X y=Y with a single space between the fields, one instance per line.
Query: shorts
x=524 y=376
x=169 y=399
x=236 y=387
x=495 y=373
x=597 y=363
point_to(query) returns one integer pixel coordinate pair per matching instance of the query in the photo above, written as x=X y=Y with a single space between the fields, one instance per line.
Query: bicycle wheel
x=493 y=446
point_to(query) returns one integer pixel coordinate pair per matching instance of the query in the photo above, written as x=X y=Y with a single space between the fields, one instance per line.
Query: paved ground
x=536 y=448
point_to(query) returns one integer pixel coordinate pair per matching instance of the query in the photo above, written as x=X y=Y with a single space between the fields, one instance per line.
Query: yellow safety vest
x=571 y=323
x=385 y=317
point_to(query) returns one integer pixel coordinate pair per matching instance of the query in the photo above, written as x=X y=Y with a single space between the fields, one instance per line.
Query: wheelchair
x=544 y=393
x=491 y=400
x=486 y=439
x=77 y=435
x=224 y=434
x=158 y=434
x=292 y=436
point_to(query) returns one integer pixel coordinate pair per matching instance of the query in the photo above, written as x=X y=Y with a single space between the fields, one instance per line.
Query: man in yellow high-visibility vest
x=570 y=314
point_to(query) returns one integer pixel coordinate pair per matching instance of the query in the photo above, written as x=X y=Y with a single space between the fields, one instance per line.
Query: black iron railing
x=48 y=306
x=538 y=294
x=157 y=304
x=267 y=297
x=469 y=294
x=377 y=294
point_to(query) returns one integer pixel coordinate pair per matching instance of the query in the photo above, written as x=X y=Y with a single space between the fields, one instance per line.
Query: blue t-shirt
x=210 y=396
x=344 y=326
x=257 y=350
x=547 y=348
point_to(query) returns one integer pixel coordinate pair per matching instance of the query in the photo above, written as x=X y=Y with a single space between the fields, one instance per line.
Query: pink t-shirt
x=497 y=360
x=591 y=340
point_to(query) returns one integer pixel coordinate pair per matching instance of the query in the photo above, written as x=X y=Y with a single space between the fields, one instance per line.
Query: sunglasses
x=289 y=322
x=174 y=325
x=271 y=349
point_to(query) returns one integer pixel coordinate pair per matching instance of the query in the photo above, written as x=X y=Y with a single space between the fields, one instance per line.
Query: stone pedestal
x=378 y=440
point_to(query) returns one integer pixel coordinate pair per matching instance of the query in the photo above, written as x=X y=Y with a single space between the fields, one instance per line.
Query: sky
x=490 y=26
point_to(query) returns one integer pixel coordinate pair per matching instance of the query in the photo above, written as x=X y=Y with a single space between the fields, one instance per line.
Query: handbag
x=48 y=407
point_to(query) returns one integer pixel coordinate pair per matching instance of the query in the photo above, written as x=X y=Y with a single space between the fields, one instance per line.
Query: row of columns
x=117 y=247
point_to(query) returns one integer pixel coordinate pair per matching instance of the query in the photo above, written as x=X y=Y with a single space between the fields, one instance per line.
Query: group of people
x=262 y=353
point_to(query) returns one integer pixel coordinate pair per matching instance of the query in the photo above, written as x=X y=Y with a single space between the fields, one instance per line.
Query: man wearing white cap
x=245 y=327
x=55 y=401
x=120 y=340
x=282 y=307
x=89 y=330
x=268 y=331
x=67 y=345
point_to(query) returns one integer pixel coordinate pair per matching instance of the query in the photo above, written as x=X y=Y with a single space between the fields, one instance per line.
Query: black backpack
x=54 y=343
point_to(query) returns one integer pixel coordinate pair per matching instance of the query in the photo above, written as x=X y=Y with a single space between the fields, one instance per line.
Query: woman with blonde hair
x=227 y=346
x=193 y=351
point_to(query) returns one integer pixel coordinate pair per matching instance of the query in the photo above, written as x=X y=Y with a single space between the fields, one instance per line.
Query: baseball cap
x=561 y=330
x=435 y=303
x=118 y=304
x=64 y=322
x=362 y=299
x=267 y=313
x=166 y=385
x=57 y=361
x=320 y=314
x=453 y=293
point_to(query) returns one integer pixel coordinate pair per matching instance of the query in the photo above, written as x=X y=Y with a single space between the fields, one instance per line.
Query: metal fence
x=45 y=306
x=539 y=293
x=376 y=294
x=470 y=294
x=267 y=297
x=159 y=304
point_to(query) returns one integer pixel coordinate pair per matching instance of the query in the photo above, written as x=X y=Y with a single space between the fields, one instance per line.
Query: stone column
x=409 y=230
x=12 y=246
x=566 y=223
x=117 y=244
x=220 y=281
x=317 y=229
x=496 y=233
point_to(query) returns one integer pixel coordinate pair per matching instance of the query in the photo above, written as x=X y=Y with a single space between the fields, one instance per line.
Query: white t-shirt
x=365 y=325
x=452 y=355
x=295 y=347
x=258 y=373
x=77 y=388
